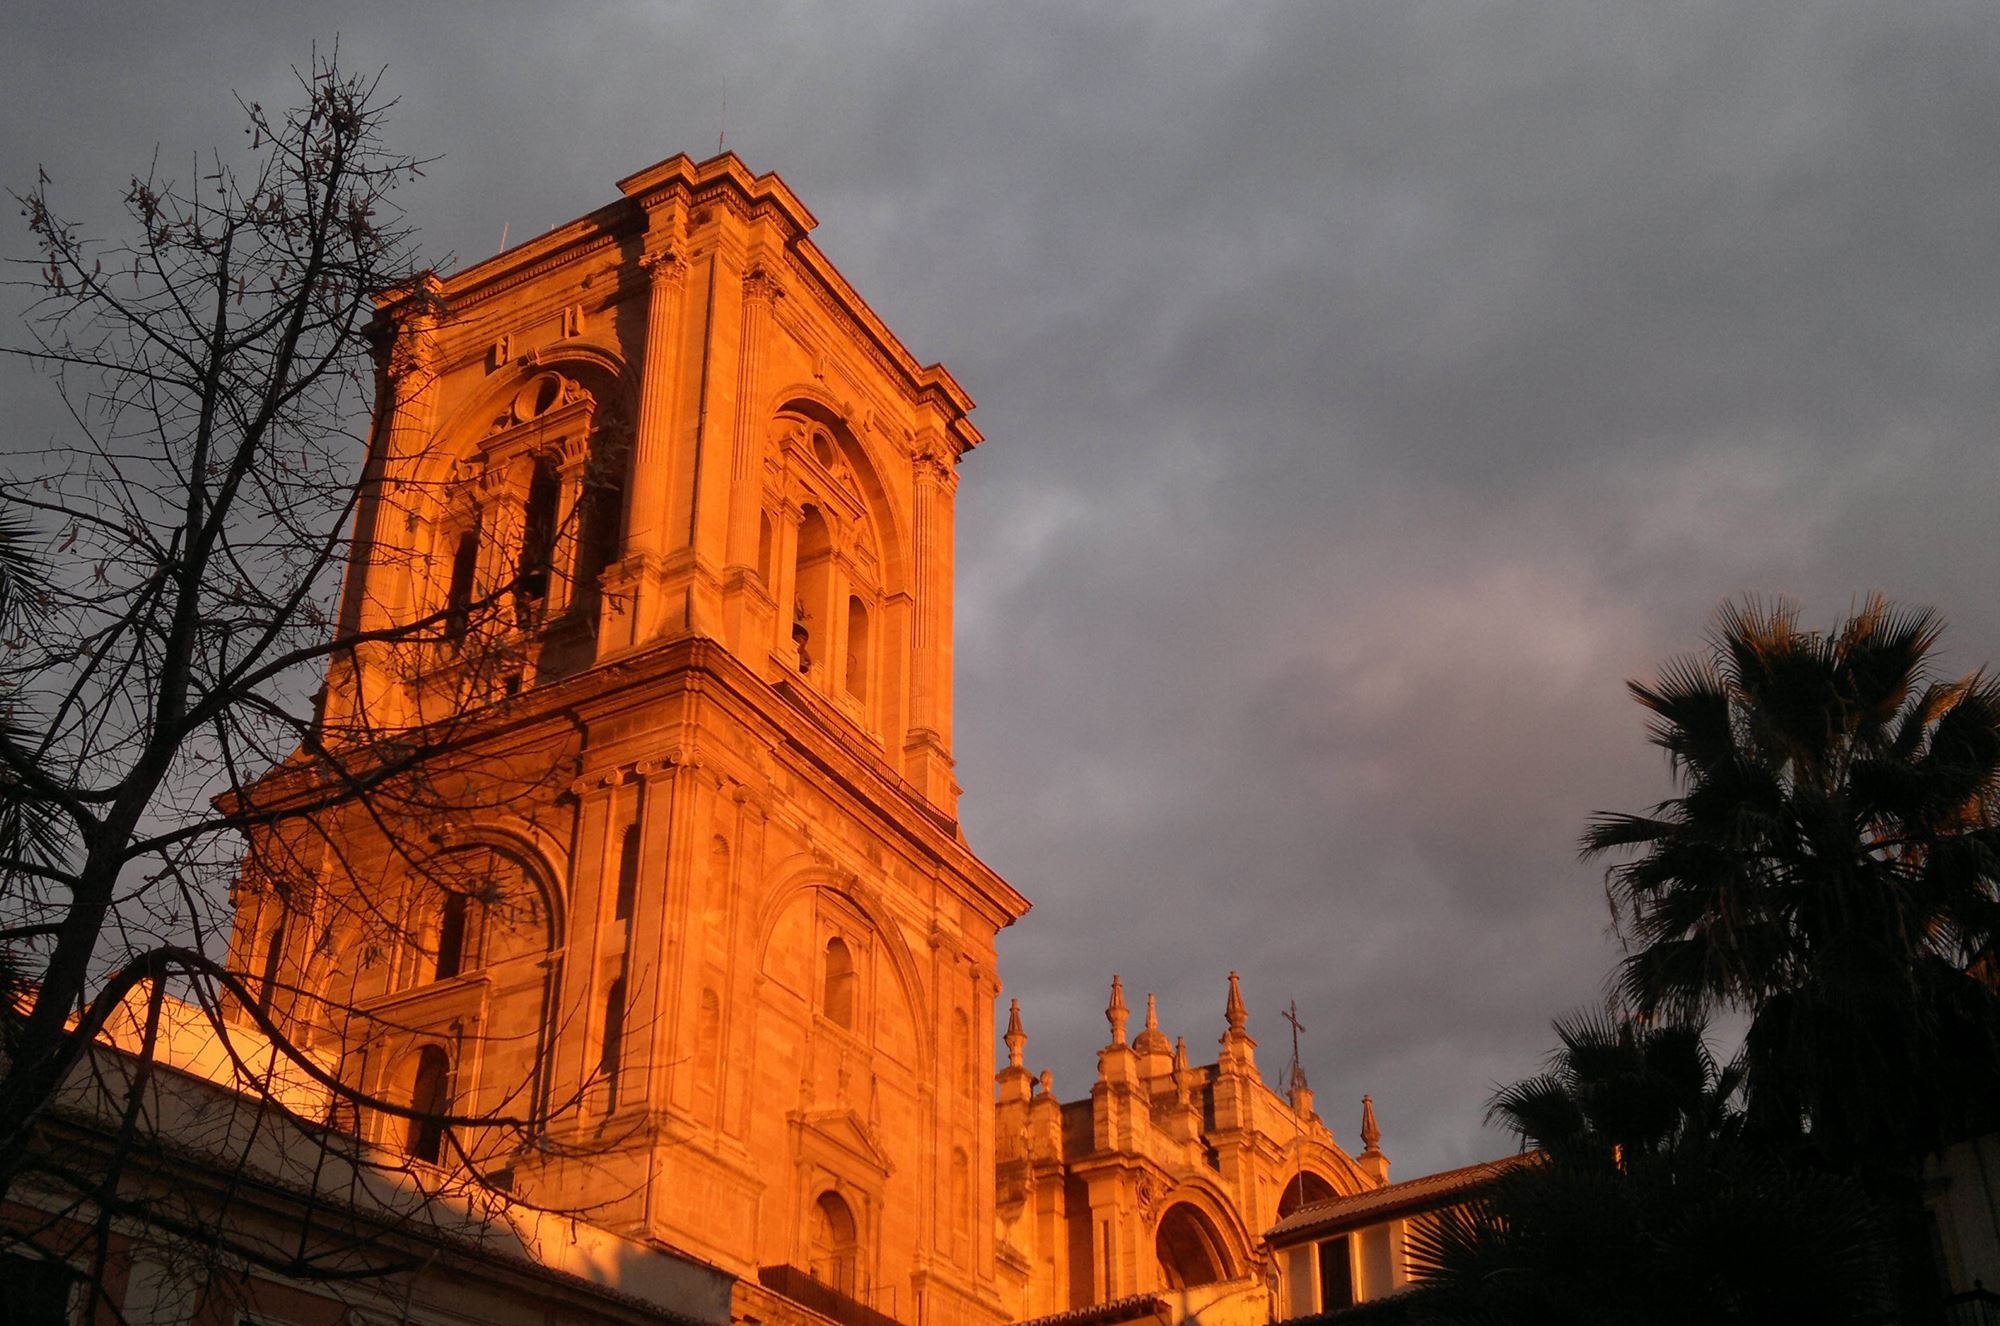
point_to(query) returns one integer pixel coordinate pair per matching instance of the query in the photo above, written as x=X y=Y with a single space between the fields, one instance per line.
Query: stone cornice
x=723 y=179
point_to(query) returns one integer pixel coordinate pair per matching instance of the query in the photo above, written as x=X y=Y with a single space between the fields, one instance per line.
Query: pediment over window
x=840 y=1141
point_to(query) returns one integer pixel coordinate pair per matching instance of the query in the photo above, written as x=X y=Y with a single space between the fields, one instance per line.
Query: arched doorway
x=1190 y=1250
x=834 y=1250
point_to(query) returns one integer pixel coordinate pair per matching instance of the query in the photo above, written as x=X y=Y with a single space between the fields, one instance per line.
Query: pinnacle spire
x=1017 y=1039
x=1151 y=1040
x=1372 y=1161
x=1234 y=1011
x=1116 y=1013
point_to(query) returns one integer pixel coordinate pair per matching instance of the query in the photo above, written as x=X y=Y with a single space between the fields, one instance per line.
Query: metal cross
x=1291 y=1015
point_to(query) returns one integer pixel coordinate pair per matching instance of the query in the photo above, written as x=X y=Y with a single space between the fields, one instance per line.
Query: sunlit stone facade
x=670 y=511
x=1154 y=1191
x=680 y=508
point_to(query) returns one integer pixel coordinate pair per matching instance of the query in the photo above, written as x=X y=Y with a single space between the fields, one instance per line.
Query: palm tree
x=1645 y=1203
x=1621 y=1093
x=1831 y=866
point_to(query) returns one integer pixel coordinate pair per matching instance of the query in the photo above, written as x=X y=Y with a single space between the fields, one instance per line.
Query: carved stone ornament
x=664 y=265
x=932 y=461
x=759 y=283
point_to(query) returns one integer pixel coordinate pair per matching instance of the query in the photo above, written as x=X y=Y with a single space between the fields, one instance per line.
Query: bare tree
x=170 y=609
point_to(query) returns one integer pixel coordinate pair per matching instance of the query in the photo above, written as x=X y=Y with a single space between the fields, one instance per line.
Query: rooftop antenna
x=503 y=237
x=722 y=121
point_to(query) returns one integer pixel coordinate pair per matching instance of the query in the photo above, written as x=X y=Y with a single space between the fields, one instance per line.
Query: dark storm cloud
x=1370 y=388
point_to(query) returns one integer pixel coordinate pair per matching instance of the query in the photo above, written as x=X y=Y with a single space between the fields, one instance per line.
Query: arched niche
x=792 y=928
x=1190 y=1248
x=1303 y=1189
x=833 y=1244
x=814 y=442
x=519 y=505
x=843 y=566
x=1199 y=1236
x=473 y=906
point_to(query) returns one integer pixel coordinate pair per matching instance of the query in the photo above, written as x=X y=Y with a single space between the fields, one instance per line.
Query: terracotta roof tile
x=1427 y=1193
x=1135 y=1307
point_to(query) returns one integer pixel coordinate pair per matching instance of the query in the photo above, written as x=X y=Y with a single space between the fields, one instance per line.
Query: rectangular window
x=1336 y=1275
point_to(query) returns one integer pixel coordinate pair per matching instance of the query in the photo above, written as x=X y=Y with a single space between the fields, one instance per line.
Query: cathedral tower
x=659 y=515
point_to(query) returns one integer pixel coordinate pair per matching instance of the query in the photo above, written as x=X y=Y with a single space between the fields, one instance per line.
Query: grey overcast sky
x=1369 y=389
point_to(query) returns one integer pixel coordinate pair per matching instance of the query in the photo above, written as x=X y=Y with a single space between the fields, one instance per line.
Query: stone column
x=748 y=603
x=631 y=584
x=927 y=748
x=386 y=582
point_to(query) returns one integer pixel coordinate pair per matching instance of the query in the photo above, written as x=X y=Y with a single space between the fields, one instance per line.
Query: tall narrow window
x=707 y=1048
x=274 y=953
x=810 y=608
x=430 y=1101
x=764 y=546
x=1336 y=1275
x=857 y=649
x=538 y=543
x=452 y=934
x=458 y=602
x=961 y=1056
x=600 y=533
x=838 y=992
x=614 y=1041
x=628 y=873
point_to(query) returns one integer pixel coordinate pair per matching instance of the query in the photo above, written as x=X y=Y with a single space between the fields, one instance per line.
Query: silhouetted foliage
x=1644 y=1203
x=1830 y=866
x=170 y=570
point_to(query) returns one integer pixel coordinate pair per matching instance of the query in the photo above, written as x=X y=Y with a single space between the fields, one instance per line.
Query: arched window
x=456 y=950
x=837 y=993
x=472 y=908
x=857 y=648
x=274 y=953
x=430 y=1100
x=628 y=873
x=764 y=546
x=834 y=1253
x=600 y=518
x=814 y=571
x=458 y=599
x=538 y=543
x=1189 y=1249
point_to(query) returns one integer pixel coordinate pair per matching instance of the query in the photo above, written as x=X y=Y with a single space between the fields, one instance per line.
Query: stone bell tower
x=657 y=503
